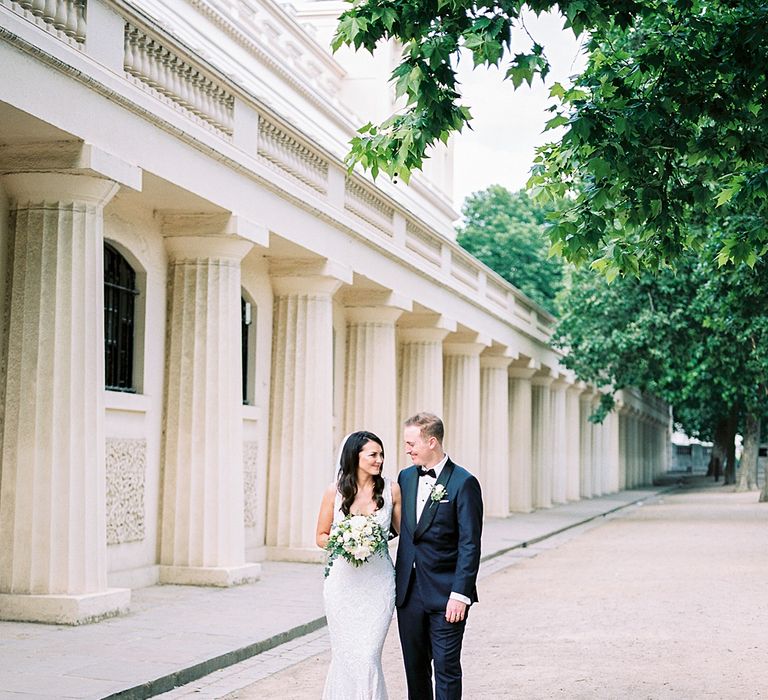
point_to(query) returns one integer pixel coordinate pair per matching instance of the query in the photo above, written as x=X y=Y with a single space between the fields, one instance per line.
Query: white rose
x=361 y=552
x=357 y=522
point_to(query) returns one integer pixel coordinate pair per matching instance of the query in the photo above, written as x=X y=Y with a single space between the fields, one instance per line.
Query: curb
x=535 y=540
x=193 y=673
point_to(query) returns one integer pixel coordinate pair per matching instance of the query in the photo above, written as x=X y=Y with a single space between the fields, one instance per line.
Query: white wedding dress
x=358 y=606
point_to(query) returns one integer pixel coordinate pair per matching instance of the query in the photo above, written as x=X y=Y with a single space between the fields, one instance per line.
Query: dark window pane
x=245 y=321
x=119 y=304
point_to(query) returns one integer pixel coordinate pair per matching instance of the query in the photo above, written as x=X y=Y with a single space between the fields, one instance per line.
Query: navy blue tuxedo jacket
x=444 y=545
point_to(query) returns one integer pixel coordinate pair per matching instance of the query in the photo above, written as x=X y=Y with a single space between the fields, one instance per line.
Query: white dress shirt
x=426 y=484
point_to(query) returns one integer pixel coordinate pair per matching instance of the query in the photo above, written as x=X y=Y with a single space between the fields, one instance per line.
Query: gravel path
x=669 y=599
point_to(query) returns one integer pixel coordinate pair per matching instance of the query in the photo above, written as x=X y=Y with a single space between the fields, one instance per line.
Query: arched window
x=119 y=307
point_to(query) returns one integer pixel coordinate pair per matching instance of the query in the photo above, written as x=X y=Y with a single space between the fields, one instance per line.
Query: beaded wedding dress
x=358 y=606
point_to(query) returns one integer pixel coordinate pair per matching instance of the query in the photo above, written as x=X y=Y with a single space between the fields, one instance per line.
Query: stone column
x=598 y=453
x=53 y=551
x=461 y=400
x=573 y=442
x=494 y=434
x=421 y=367
x=302 y=459
x=585 y=456
x=371 y=376
x=202 y=537
x=622 y=446
x=611 y=449
x=648 y=456
x=634 y=449
x=559 y=441
x=521 y=440
x=542 y=441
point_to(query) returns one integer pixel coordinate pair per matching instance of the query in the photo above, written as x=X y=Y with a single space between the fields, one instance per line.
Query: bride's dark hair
x=349 y=463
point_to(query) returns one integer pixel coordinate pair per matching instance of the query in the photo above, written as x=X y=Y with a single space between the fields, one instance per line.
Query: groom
x=437 y=560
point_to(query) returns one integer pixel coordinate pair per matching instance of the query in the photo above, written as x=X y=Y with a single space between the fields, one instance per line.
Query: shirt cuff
x=462 y=598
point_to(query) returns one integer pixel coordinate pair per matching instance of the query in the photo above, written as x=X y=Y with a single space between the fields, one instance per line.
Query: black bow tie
x=427 y=472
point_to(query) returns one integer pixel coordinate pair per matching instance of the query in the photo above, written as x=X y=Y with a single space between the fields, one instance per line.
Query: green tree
x=666 y=126
x=506 y=231
x=693 y=336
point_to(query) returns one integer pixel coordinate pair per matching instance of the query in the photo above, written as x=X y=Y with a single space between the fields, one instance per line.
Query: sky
x=507 y=123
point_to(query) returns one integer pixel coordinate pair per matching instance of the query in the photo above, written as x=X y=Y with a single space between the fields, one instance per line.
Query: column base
x=65 y=609
x=222 y=576
x=308 y=555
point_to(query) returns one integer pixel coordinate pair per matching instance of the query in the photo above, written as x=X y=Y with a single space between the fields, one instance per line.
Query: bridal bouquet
x=355 y=538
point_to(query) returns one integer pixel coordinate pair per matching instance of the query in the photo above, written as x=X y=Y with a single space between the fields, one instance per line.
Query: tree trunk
x=730 y=464
x=748 y=465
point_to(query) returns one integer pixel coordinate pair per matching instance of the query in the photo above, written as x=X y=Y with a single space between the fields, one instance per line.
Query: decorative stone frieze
x=250 y=483
x=126 y=465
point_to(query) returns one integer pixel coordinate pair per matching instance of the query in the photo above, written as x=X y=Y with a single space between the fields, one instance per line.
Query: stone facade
x=277 y=303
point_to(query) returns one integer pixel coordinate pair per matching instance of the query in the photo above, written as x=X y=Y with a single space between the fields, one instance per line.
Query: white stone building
x=176 y=221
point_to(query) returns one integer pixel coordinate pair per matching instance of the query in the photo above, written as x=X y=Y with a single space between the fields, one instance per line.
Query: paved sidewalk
x=177 y=634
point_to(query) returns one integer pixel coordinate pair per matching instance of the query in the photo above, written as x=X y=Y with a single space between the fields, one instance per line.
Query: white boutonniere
x=438 y=493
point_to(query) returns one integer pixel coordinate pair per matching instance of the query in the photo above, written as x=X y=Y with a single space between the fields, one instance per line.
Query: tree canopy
x=694 y=336
x=506 y=231
x=665 y=130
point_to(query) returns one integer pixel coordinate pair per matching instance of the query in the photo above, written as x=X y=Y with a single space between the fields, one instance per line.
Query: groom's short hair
x=429 y=424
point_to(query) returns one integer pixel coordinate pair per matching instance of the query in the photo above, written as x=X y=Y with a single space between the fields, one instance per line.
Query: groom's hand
x=455 y=611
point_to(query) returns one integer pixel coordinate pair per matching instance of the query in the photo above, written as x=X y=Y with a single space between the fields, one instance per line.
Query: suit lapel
x=430 y=507
x=410 y=488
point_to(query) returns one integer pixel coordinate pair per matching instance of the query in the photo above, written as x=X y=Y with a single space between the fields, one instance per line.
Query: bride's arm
x=325 y=518
x=396 y=507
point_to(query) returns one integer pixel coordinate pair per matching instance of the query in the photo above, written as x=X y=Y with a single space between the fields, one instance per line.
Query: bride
x=359 y=600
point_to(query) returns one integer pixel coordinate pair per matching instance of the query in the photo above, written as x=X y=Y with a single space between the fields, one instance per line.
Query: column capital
x=372 y=314
x=521 y=372
x=32 y=189
x=53 y=158
x=494 y=361
x=369 y=306
x=427 y=321
x=576 y=388
x=542 y=380
x=302 y=276
x=421 y=335
x=560 y=383
x=461 y=348
x=223 y=225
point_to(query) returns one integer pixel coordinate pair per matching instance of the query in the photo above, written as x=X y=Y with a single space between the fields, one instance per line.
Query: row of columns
x=523 y=431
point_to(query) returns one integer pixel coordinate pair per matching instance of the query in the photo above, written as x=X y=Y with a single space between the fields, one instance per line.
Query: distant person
x=359 y=590
x=438 y=557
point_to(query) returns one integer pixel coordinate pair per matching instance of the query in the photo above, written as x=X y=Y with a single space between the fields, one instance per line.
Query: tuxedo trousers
x=426 y=637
